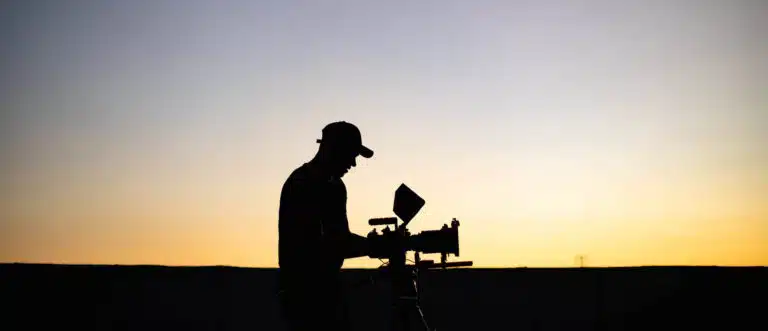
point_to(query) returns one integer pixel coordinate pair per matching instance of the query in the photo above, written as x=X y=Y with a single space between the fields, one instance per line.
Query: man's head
x=340 y=144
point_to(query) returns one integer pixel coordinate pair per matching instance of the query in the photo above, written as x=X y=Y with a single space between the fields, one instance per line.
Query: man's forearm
x=356 y=246
x=347 y=245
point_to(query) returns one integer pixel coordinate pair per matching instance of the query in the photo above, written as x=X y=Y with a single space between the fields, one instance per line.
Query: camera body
x=398 y=240
x=393 y=243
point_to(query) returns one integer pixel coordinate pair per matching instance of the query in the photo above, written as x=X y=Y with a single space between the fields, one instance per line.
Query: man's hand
x=355 y=246
x=382 y=246
x=351 y=245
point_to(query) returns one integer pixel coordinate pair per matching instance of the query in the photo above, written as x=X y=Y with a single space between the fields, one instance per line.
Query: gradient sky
x=160 y=132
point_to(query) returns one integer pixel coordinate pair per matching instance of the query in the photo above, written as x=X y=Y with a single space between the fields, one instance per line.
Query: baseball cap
x=345 y=135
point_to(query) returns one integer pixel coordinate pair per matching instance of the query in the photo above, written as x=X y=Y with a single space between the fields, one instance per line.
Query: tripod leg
x=423 y=319
x=406 y=310
x=413 y=304
x=417 y=302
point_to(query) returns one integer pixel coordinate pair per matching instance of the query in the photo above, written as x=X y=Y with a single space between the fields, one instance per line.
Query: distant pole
x=580 y=259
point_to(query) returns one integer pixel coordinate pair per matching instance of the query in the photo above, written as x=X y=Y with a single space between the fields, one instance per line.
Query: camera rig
x=394 y=243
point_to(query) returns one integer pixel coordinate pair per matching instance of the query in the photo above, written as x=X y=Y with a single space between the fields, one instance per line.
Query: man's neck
x=318 y=166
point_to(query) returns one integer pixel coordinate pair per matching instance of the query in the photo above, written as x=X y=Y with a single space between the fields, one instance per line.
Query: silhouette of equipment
x=393 y=245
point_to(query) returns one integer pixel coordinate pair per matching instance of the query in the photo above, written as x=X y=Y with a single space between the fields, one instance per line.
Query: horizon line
x=224 y=266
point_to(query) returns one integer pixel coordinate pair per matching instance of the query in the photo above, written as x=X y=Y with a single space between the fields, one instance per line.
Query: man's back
x=311 y=206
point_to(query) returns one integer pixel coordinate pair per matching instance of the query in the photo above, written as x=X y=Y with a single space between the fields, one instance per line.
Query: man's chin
x=338 y=174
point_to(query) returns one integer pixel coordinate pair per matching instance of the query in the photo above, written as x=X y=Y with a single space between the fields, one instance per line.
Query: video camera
x=394 y=243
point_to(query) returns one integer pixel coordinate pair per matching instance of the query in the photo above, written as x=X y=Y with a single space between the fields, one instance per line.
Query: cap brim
x=365 y=152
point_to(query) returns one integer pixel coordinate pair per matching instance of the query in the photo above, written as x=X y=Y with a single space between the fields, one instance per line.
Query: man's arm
x=357 y=246
x=343 y=242
x=336 y=230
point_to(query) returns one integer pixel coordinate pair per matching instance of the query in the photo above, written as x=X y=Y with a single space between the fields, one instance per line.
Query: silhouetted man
x=314 y=236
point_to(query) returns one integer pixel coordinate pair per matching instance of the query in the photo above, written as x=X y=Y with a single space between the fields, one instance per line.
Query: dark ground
x=223 y=298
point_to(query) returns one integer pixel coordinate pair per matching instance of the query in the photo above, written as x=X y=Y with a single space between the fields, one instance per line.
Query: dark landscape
x=105 y=297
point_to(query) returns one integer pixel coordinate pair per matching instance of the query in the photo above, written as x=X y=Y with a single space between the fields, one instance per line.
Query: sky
x=160 y=132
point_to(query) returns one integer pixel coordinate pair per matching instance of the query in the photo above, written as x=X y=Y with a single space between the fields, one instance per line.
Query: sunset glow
x=136 y=132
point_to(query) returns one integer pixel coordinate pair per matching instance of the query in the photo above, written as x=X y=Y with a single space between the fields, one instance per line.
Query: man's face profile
x=342 y=159
x=340 y=146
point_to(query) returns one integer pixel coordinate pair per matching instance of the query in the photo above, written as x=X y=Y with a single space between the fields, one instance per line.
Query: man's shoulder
x=298 y=189
x=298 y=173
x=301 y=174
x=303 y=178
x=306 y=177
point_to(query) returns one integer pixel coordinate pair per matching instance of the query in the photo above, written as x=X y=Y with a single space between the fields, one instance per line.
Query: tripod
x=405 y=277
x=405 y=293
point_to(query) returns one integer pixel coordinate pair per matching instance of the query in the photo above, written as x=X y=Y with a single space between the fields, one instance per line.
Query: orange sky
x=633 y=136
